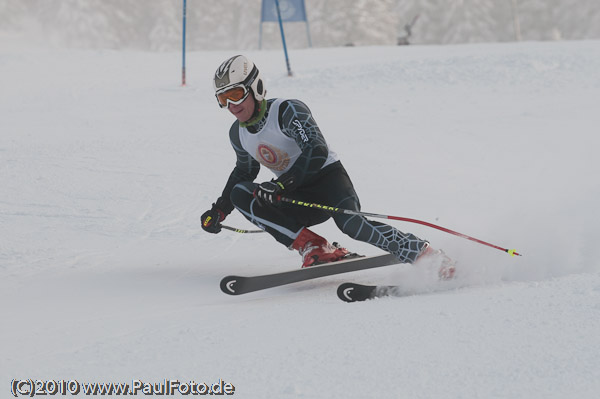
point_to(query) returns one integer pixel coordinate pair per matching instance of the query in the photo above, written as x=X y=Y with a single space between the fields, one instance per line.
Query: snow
x=106 y=165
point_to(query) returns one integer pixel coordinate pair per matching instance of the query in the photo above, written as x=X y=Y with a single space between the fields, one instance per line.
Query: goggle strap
x=251 y=77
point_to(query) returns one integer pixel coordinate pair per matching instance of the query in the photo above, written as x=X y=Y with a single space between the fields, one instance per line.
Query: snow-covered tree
x=234 y=24
x=12 y=13
x=470 y=21
x=567 y=11
x=79 y=23
x=537 y=19
x=164 y=28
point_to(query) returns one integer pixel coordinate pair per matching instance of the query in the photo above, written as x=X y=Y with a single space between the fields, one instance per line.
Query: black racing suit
x=329 y=186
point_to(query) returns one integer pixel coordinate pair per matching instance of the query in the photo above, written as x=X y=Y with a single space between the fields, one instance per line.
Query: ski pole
x=241 y=230
x=326 y=208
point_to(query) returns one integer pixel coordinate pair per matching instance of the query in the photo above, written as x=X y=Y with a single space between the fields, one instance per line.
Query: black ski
x=237 y=285
x=351 y=292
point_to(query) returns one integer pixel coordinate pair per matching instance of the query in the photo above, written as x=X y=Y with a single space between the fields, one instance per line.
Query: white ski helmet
x=239 y=71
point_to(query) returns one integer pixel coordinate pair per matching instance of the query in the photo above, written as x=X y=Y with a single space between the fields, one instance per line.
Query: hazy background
x=234 y=24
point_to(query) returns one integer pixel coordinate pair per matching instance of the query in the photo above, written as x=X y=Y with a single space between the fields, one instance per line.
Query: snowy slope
x=106 y=165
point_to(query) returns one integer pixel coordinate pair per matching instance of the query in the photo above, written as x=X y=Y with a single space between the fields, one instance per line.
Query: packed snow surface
x=107 y=163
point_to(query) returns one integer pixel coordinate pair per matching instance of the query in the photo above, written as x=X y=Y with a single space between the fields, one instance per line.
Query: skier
x=282 y=135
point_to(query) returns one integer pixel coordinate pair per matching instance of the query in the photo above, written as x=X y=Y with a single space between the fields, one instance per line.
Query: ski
x=237 y=285
x=351 y=292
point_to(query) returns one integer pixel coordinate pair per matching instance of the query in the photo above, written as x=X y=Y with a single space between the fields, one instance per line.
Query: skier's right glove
x=270 y=192
x=211 y=220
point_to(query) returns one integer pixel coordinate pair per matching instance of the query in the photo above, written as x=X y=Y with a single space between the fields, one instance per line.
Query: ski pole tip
x=513 y=252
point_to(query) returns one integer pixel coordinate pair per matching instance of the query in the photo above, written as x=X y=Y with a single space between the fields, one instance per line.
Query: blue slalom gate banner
x=291 y=11
x=288 y=11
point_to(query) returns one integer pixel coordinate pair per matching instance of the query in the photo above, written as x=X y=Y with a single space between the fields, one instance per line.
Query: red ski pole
x=511 y=252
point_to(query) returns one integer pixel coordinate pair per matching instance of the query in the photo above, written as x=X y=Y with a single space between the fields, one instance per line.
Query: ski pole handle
x=332 y=209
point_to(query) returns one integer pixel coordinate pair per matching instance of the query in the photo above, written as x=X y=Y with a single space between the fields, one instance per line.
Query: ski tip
x=350 y=292
x=229 y=285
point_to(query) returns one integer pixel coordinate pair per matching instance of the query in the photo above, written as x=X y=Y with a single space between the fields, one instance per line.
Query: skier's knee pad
x=242 y=194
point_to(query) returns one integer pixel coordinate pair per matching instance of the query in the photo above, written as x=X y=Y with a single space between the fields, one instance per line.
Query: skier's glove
x=270 y=192
x=211 y=220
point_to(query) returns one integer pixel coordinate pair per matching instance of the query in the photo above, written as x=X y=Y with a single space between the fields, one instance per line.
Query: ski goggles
x=234 y=95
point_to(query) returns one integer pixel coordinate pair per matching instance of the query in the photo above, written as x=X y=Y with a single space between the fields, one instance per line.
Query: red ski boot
x=447 y=265
x=315 y=250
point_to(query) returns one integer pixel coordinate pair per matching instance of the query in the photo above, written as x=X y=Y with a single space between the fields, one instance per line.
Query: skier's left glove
x=270 y=192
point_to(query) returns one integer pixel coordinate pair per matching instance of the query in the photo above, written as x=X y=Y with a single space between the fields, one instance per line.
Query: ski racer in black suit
x=282 y=135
